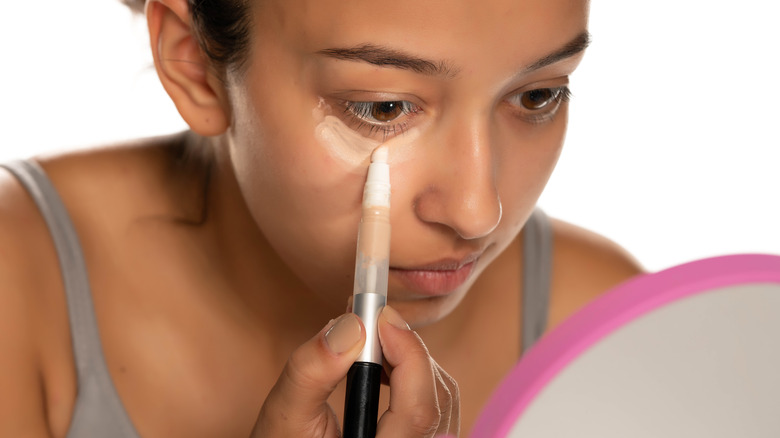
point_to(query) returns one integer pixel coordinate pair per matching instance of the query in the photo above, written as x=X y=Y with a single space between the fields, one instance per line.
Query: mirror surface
x=691 y=351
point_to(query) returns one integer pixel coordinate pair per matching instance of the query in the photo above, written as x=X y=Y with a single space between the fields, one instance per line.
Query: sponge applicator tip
x=376 y=192
x=380 y=154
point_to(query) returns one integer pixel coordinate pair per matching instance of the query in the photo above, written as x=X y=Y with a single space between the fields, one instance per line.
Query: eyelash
x=360 y=112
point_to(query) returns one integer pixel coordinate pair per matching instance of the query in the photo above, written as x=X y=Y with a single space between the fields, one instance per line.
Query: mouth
x=436 y=279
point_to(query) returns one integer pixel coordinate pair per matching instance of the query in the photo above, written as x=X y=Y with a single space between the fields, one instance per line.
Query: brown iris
x=386 y=111
x=537 y=99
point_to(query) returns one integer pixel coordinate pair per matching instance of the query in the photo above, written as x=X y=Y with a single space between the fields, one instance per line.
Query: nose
x=460 y=189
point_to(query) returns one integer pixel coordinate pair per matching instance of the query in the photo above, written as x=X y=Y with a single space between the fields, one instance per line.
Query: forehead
x=443 y=29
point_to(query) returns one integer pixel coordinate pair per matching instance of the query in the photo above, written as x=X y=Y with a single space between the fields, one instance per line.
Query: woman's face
x=472 y=96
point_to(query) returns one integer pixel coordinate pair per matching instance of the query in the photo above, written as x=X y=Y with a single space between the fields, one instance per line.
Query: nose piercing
x=495 y=225
x=500 y=215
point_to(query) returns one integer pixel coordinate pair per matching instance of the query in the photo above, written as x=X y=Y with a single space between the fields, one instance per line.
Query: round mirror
x=691 y=351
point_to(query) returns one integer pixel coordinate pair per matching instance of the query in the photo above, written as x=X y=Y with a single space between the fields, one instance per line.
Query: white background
x=673 y=142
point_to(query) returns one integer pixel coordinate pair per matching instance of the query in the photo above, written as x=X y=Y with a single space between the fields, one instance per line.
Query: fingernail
x=344 y=333
x=394 y=318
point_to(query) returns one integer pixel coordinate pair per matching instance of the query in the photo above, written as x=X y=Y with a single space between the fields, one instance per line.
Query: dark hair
x=222 y=28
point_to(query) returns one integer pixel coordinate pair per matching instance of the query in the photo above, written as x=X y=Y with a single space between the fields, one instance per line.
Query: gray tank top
x=98 y=411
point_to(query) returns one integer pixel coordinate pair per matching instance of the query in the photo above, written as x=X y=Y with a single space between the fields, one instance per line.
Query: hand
x=424 y=400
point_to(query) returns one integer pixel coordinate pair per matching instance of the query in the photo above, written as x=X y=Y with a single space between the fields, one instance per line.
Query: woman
x=217 y=262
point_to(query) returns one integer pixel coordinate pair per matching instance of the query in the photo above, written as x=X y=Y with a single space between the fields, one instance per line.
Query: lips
x=436 y=279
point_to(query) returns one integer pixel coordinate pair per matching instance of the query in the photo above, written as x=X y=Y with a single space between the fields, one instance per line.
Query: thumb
x=297 y=404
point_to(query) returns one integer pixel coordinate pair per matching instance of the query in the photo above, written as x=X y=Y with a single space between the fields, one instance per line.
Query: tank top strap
x=537 y=273
x=98 y=411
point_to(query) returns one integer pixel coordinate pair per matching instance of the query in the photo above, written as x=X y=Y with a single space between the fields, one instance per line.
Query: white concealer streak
x=354 y=150
x=343 y=143
x=320 y=110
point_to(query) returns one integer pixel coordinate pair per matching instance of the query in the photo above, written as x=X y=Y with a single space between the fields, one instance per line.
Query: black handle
x=361 y=404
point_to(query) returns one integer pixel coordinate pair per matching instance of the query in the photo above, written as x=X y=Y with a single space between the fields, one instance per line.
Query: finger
x=414 y=407
x=349 y=304
x=297 y=404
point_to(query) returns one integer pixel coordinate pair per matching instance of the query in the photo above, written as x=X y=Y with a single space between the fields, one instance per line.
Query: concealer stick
x=369 y=297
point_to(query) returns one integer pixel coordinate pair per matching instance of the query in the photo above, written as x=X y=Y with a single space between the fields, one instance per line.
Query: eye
x=539 y=105
x=536 y=100
x=386 y=111
x=380 y=112
x=380 y=119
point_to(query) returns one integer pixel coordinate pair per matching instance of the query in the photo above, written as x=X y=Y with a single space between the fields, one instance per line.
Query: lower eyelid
x=540 y=117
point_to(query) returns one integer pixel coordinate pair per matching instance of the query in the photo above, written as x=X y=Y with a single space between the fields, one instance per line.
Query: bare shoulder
x=25 y=246
x=95 y=185
x=585 y=265
x=24 y=255
x=98 y=186
x=123 y=179
x=77 y=176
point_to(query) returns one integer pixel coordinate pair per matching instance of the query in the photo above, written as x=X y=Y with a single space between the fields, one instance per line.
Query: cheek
x=525 y=166
x=305 y=209
x=303 y=201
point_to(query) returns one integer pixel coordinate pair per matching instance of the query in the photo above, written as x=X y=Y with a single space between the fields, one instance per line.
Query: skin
x=225 y=321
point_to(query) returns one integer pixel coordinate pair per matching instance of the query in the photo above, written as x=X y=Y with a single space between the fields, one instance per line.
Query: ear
x=183 y=68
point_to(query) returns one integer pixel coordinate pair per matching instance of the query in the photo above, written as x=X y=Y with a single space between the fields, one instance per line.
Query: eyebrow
x=573 y=47
x=388 y=57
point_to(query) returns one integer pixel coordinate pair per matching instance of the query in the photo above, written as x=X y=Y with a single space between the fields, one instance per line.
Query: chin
x=422 y=312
